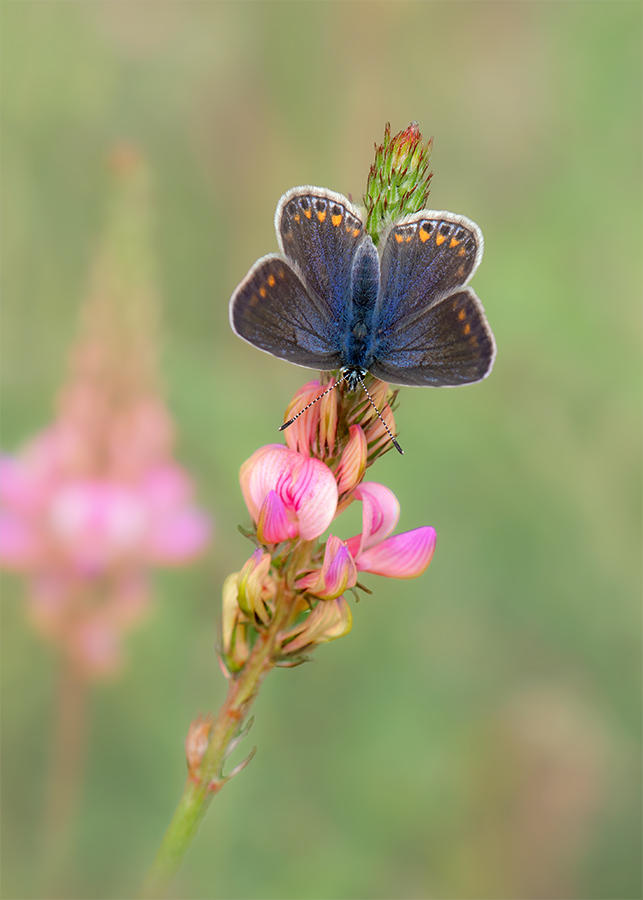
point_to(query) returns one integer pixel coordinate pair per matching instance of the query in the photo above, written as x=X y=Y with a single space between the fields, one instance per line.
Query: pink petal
x=381 y=510
x=97 y=522
x=315 y=497
x=165 y=488
x=402 y=556
x=306 y=486
x=254 y=497
x=274 y=524
x=179 y=538
x=21 y=488
x=338 y=569
x=20 y=545
x=353 y=462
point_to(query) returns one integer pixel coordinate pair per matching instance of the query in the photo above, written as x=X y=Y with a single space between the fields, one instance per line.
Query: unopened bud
x=196 y=743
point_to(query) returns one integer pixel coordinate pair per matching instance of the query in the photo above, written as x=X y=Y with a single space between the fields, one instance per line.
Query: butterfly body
x=332 y=300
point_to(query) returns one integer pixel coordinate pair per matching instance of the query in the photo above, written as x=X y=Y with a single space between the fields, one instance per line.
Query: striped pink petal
x=305 y=486
x=404 y=555
x=381 y=510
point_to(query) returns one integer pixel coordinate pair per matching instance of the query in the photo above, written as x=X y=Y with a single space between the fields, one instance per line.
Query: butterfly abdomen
x=357 y=338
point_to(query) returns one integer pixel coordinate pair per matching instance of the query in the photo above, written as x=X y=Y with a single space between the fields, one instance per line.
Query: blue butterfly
x=332 y=300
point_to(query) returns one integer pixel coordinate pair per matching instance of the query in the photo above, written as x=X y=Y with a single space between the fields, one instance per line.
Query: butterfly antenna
x=379 y=416
x=312 y=403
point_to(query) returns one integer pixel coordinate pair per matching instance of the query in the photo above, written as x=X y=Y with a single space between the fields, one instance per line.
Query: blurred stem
x=197 y=795
x=66 y=771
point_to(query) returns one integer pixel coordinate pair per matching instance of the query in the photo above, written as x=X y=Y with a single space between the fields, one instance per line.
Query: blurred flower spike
x=95 y=501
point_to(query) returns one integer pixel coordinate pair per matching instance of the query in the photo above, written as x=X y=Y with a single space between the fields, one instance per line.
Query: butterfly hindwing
x=273 y=310
x=449 y=344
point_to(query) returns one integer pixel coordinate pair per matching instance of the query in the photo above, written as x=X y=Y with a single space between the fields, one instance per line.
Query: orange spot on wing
x=297 y=218
x=424 y=235
x=461 y=251
x=355 y=232
x=454 y=243
x=308 y=213
x=399 y=237
x=321 y=216
x=271 y=280
x=336 y=220
x=439 y=239
x=262 y=291
x=467 y=328
x=462 y=314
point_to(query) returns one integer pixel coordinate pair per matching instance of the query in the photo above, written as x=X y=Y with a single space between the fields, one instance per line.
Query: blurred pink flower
x=94 y=524
x=96 y=500
x=287 y=494
x=404 y=555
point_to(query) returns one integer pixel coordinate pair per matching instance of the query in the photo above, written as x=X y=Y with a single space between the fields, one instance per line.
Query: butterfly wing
x=449 y=344
x=430 y=329
x=320 y=231
x=273 y=310
x=294 y=306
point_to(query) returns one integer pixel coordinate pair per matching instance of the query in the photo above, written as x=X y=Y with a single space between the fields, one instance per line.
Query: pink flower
x=402 y=556
x=49 y=518
x=287 y=494
x=337 y=573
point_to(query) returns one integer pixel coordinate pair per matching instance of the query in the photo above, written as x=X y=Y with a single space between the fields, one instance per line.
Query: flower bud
x=196 y=743
x=338 y=572
x=398 y=183
x=235 y=648
x=329 y=620
x=313 y=432
x=255 y=588
x=352 y=463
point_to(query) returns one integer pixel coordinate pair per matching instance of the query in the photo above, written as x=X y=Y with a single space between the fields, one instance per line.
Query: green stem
x=62 y=797
x=197 y=795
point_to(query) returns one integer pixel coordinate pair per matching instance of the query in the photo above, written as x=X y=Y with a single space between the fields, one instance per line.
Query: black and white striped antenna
x=359 y=378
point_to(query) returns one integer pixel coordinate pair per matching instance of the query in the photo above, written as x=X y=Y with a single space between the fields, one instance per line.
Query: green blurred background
x=478 y=732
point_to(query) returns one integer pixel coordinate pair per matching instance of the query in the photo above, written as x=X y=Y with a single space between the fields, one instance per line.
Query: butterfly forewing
x=425 y=257
x=320 y=232
x=449 y=344
x=273 y=310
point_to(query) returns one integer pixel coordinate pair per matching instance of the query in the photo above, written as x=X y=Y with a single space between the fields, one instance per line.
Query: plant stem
x=197 y=795
x=66 y=771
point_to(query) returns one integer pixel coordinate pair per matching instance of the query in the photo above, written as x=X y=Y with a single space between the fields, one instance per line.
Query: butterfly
x=332 y=300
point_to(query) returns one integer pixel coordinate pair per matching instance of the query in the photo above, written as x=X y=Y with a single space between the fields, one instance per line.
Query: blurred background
x=478 y=733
